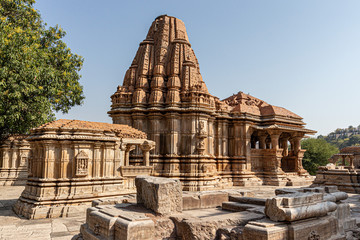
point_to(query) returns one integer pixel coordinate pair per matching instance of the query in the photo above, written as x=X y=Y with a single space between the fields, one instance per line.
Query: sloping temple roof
x=122 y=131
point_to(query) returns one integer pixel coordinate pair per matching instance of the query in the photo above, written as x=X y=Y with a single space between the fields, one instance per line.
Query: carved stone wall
x=74 y=162
x=14 y=153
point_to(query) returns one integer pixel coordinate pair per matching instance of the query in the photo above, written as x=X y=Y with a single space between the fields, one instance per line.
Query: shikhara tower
x=205 y=142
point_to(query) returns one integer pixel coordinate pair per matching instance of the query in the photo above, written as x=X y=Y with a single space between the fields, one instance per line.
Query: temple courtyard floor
x=13 y=227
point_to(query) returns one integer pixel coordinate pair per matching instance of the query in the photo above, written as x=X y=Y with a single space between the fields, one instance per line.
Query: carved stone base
x=48 y=199
x=13 y=177
x=345 y=180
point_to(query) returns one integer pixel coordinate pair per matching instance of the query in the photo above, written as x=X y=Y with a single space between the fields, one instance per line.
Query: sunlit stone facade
x=73 y=162
x=205 y=142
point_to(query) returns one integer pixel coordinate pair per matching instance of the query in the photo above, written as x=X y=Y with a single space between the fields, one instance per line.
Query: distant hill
x=344 y=137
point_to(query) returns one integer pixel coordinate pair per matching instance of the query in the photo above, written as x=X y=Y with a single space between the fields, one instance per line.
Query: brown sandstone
x=205 y=142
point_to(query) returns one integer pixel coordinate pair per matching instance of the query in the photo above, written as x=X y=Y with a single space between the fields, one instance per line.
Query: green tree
x=38 y=73
x=318 y=151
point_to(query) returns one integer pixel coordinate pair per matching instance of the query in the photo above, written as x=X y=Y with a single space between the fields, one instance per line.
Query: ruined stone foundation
x=162 y=213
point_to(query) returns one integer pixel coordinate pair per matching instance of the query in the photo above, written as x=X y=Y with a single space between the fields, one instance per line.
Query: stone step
x=230 y=232
x=239 y=207
x=248 y=200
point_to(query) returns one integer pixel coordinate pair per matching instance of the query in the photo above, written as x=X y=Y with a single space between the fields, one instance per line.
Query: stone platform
x=12 y=227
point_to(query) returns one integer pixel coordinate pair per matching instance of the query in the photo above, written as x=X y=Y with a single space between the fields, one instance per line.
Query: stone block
x=292 y=207
x=211 y=200
x=199 y=200
x=248 y=200
x=133 y=226
x=117 y=222
x=265 y=230
x=162 y=195
x=191 y=201
x=320 y=228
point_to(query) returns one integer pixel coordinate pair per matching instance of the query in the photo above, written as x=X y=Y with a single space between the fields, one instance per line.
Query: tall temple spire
x=165 y=71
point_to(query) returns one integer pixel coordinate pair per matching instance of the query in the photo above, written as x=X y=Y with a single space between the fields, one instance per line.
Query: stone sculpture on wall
x=242 y=139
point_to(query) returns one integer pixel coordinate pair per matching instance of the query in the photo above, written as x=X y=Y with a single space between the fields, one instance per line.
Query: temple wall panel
x=13 y=161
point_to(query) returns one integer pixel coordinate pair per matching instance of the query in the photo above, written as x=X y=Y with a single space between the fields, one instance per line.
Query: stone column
x=285 y=147
x=49 y=159
x=65 y=146
x=6 y=157
x=248 y=132
x=274 y=141
x=274 y=136
x=343 y=160
x=15 y=154
x=128 y=149
x=210 y=137
x=298 y=153
x=262 y=143
x=97 y=159
x=351 y=162
x=146 y=147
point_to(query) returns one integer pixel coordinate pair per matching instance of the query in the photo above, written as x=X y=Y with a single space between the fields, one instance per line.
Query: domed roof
x=245 y=103
x=351 y=149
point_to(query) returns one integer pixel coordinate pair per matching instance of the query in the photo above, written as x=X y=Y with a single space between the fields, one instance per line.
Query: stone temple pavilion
x=205 y=142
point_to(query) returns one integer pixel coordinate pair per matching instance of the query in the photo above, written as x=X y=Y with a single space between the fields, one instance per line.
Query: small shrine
x=73 y=162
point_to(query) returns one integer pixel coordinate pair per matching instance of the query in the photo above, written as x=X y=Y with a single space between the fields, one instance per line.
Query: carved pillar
x=285 y=146
x=128 y=149
x=210 y=137
x=262 y=140
x=117 y=160
x=274 y=141
x=343 y=160
x=146 y=147
x=6 y=157
x=49 y=160
x=97 y=159
x=173 y=132
x=248 y=132
x=65 y=148
x=351 y=162
x=274 y=136
x=14 y=154
x=154 y=130
x=298 y=153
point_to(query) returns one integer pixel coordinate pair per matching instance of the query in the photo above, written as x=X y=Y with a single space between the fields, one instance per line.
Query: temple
x=205 y=142
x=343 y=171
x=73 y=162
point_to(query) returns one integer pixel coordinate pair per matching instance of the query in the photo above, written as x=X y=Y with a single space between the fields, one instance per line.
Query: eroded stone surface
x=162 y=195
x=292 y=207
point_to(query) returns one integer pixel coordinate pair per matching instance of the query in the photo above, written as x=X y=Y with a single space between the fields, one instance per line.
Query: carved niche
x=81 y=161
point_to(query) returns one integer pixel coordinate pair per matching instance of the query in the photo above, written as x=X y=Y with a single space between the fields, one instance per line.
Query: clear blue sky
x=301 y=55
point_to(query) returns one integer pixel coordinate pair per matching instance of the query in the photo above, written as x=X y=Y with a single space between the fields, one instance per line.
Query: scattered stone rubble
x=301 y=213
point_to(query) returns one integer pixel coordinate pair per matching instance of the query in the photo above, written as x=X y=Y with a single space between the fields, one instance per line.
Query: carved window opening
x=81 y=160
